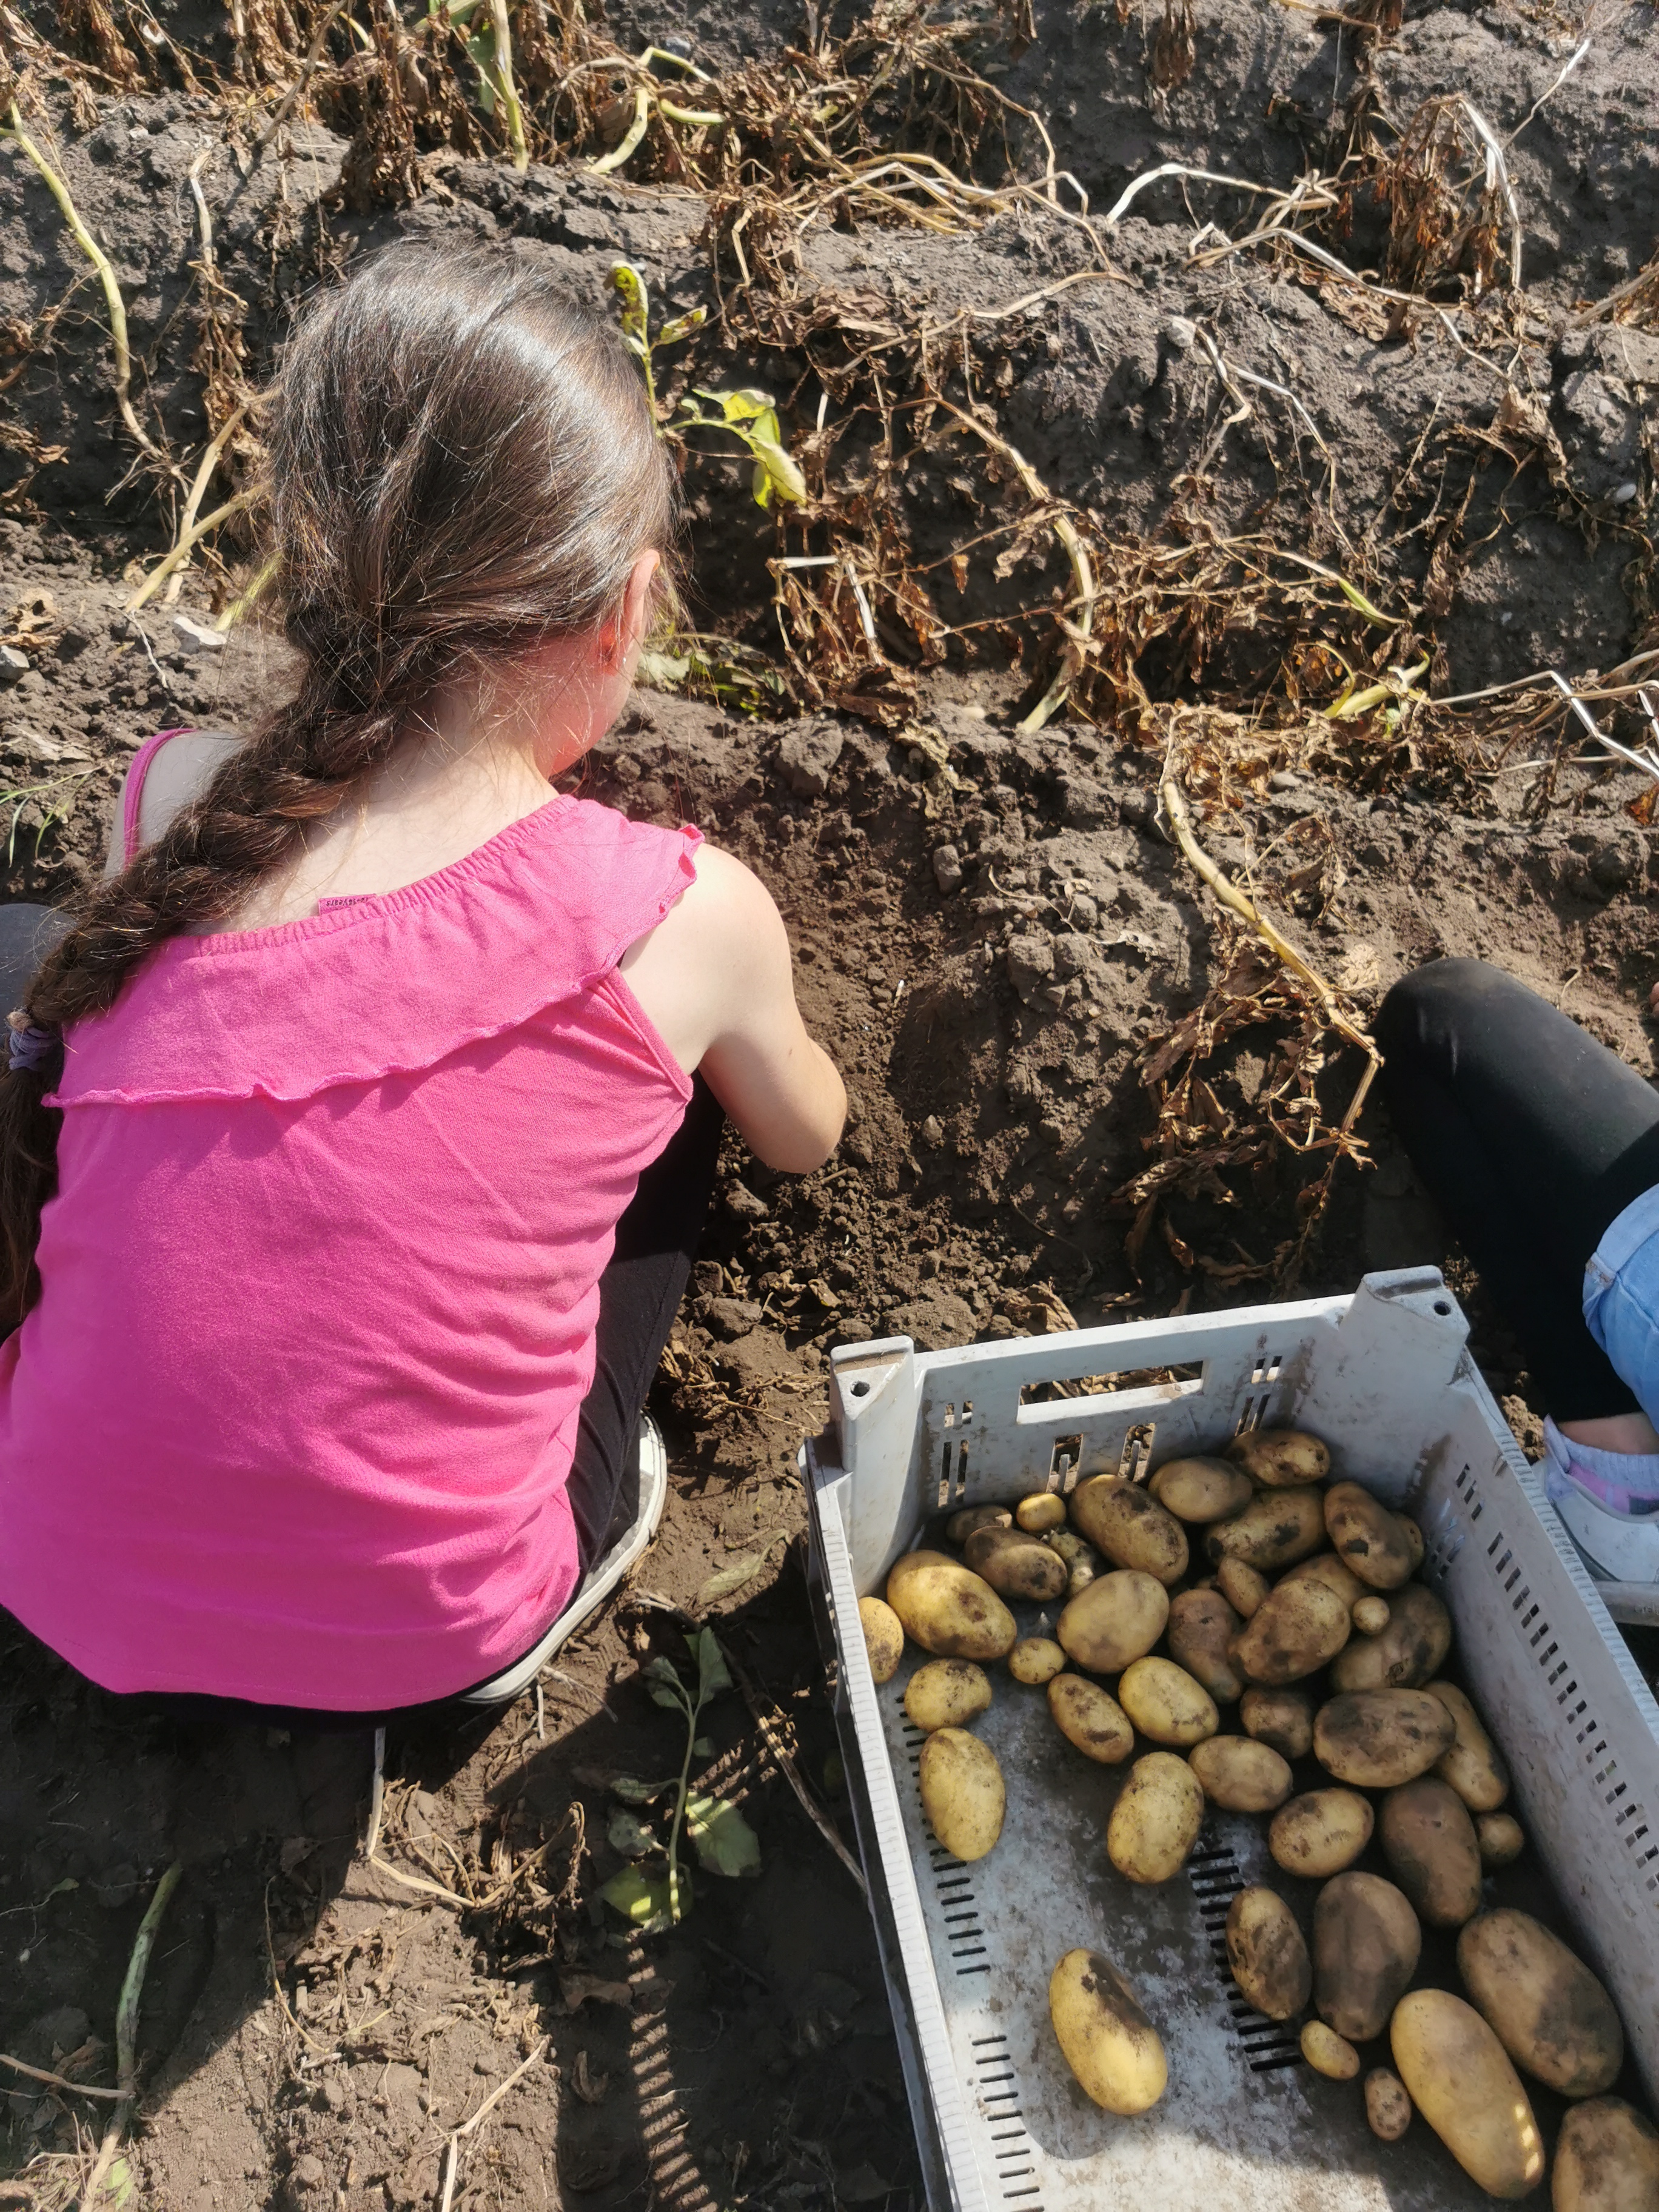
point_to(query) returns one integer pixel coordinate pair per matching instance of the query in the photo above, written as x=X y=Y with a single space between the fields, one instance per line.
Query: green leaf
x=633 y=1791
x=703 y=1747
x=120 y=2183
x=781 y=468
x=636 y=302
x=731 y=1578
x=749 y=405
x=682 y=326
x=626 y=1832
x=663 y=1680
x=663 y=671
x=712 y=1674
x=725 y=1842
x=649 y=1900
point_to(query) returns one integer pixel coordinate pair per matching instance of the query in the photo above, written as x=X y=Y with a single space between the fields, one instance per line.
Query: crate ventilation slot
x=953 y=1456
x=997 y=2089
x=1630 y=1819
x=1268 y=2045
x=1264 y=1377
x=1135 y=1460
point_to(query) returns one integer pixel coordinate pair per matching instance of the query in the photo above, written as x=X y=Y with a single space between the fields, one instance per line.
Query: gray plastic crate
x=1385 y=1378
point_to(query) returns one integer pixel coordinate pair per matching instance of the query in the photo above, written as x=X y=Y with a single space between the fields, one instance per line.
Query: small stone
x=933 y=1131
x=742 y=1201
x=807 y=756
x=1625 y=493
x=12 y=663
x=947 y=869
x=197 y=636
x=25 y=745
x=1180 y=333
x=309 y=2171
x=1031 y=964
x=1284 y=779
x=729 y=1317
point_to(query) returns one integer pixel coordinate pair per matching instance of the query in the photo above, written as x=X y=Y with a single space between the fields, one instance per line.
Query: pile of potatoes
x=1249 y=1583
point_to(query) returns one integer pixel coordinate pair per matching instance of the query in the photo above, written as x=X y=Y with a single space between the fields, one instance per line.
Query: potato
x=1474 y=1766
x=1166 y=1703
x=1414 y=1537
x=1082 y=1562
x=1378 y=1738
x=1156 y=1820
x=1370 y=1617
x=1043 y=1511
x=1365 y=1948
x=947 y=1693
x=1367 y=1535
x=1104 y=2036
x=1117 y=1619
x=1268 y=1958
x=1295 y=1630
x=1201 y=1489
x=884 y=1638
x=1275 y=1529
x=1132 y=1529
x=1388 y=2108
x=1325 y=1567
x=948 y=1610
x=1282 y=1718
x=1606 y=2160
x=1017 y=1565
x=1035 y=1659
x=1456 y=2075
x=961 y=1526
x=1239 y=1776
x=1429 y=1841
x=1091 y=1718
x=1241 y=1586
x=962 y=1792
x=1327 y=2052
x=1405 y=1653
x=1284 y=1459
x=1321 y=1833
x=1546 y=2007
x=1501 y=1838
x=1202 y=1625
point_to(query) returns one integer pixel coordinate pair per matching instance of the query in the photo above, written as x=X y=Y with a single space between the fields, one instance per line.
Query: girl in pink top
x=351 y=1159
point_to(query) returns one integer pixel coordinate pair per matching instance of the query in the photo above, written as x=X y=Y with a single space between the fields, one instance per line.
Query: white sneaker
x=1609 y=1502
x=601 y=1578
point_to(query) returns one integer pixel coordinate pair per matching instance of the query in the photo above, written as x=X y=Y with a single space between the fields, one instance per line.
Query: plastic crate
x=1385 y=1378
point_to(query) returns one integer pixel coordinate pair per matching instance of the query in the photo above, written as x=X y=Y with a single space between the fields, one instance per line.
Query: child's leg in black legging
x=639 y=1293
x=1532 y=1138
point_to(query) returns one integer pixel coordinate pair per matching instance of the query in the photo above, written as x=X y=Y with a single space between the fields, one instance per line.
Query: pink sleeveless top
x=293 y=1418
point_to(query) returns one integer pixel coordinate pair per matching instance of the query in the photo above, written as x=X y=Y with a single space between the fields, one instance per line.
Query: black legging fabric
x=639 y=1293
x=1531 y=1138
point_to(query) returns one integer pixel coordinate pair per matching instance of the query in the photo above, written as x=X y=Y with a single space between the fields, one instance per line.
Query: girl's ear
x=620 y=639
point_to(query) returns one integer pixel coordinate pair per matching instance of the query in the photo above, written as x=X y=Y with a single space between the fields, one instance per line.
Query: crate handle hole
x=1442 y=1307
x=860 y=1389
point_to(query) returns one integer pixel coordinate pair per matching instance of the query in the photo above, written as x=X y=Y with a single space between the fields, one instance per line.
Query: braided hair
x=463 y=466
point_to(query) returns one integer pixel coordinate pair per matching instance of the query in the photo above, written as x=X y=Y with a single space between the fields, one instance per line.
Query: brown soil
x=312 y=2029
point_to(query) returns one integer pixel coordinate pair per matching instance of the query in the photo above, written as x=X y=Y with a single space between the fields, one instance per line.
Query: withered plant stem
x=205 y=467
x=180 y=553
x=126 y=2033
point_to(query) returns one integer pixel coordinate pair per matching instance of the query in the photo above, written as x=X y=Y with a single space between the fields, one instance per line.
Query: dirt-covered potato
x=1283 y=1459
x=1035 y=1659
x=1043 y=1511
x=949 y=1610
x=1240 y=1776
x=1429 y=1841
x=1365 y=1948
x=1606 y=2160
x=962 y=1792
x=1131 y=1528
x=1244 y=1587
x=1457 y=2075
x=1501 y=1838
x=1370 y=1614
x=1104 y=2035
x=1117 y=1618
x=947 y=1693
x=1409 y=1648
x=1293 y=1633
x=1321 y=1833
x=1327 y=2052
x=1379 y=1739
x=1017 y=1565
x=1166 y=1704
x=1388 y=2108
x=883 y=1638
x=1413 y=1538
x=1156 y=1820
x=1202 y=1625
x=961 y=1526
x=1325 y=1567
x=1367 y=1537
x=1473 y=1766
x=1091 y=1718
x=1082 y=1562
x=1276 y=1529
x=1201 y=1489
x=1283 y=1718
x=1267 y=1954
x=1546 y=2008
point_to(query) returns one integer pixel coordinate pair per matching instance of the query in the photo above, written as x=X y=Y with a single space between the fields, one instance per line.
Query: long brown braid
x=463 y=467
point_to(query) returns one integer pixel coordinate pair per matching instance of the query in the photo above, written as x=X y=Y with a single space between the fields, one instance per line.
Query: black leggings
x=1531 y=1138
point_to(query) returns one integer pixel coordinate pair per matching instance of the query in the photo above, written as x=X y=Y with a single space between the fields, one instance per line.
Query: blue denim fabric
x=1621 y=1297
